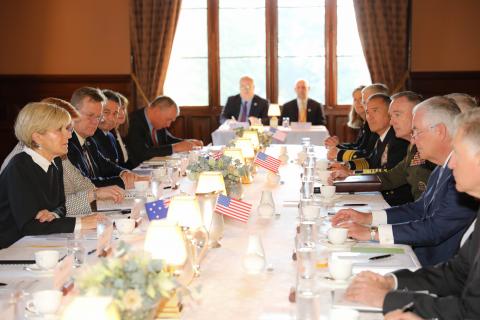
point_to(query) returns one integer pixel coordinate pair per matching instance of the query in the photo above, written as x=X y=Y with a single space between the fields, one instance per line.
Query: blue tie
x=243 y=113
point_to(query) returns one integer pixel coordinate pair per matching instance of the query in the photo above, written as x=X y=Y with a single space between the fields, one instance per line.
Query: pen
x=380 y=257
x=91 y=251
x=353 y=204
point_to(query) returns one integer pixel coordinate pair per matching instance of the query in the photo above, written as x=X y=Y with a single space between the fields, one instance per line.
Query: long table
x=227 y=291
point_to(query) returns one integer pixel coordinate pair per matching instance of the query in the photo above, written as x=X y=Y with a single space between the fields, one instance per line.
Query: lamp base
x=273 y=122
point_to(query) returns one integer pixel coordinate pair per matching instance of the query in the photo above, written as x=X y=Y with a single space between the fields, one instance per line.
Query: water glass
x=308 y=306
x=285 y=122
x=76 y=249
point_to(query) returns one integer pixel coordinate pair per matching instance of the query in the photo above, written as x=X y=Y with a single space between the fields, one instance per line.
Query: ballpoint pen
x=380 y=257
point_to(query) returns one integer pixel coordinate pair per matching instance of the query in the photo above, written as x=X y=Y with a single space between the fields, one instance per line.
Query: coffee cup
x=141 y=185
x=45 y=302
x=340 y=269
x=47 y=259
x=125 y=226
x=327 y=191
x=337 y=235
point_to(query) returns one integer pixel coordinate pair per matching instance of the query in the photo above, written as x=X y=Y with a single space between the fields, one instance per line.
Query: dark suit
x=359 y=149
x=107 y=145
x=435 y=223
x=456 y=283
x=121 y=158
x=105 y=172
x=139 y=140
x=259 y=108
x=315 y=113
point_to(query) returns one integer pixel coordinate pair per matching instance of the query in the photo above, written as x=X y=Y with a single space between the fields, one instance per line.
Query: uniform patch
x=422 y=186
x=416 y=160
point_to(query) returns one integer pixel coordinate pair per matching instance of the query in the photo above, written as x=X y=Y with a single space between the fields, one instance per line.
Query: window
x=276 y=42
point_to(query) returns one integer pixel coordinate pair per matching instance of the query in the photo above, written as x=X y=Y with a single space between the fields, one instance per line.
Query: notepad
x=339 y=301
x=382 y=250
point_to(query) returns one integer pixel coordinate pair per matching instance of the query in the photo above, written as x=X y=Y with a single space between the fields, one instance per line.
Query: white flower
x=132 y=300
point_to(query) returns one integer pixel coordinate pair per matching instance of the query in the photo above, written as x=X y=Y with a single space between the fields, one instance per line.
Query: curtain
x=152 y=29
x=383 y=30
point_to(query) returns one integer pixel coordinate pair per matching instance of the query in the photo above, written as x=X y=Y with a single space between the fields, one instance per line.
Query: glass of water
x=76 y=249
x=285 y=122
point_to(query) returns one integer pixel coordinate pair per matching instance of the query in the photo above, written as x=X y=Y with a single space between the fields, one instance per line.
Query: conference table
x=225 y=289
x=317 y=134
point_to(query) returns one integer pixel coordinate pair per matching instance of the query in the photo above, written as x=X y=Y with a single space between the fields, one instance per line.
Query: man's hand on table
x=370 y=288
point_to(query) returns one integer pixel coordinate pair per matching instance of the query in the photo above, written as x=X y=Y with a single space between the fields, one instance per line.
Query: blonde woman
x=32 y=198
x=121 y=131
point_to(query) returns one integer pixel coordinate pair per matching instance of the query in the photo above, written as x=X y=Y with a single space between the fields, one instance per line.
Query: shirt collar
x=38 y=158
x=150 y=126
x=80 y=139
x=382 y=137
x=448 y=159
x=300 y=101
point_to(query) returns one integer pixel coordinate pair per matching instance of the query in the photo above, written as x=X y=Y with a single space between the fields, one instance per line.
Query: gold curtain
x=383 y=30
x=152 y=29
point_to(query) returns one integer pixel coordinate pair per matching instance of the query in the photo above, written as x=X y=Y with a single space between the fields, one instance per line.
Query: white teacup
x=344 y=314
x=321 y=165
x=337 y=235
x=141 y=185
x=45 y=302
x=124 y=225
x=47 y=259
x=327 y=192
x=340 y=269
x=323 y=175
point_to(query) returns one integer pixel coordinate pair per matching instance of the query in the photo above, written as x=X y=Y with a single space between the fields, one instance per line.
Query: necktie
x=122 y=145
x=154 y=137
x=86 y=154
x=302 y=117
x=243 y=113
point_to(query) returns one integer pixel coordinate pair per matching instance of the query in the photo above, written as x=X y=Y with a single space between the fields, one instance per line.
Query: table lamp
x=247 y=147
x=165 y=241
x=274 y=113
x=210 y=181
x=253 y=136
x=185 y=211
x=90 y=307
x=235 y=154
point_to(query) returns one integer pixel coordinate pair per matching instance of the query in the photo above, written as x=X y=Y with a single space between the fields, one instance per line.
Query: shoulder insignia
x=422 y=186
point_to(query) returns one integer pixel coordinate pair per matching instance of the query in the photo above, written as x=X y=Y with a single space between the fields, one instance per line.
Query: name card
x=104 y=241
x=301 y=125
x=63 y=272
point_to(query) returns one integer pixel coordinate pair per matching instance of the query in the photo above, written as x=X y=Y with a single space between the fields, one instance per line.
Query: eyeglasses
x=245 y=87
x=416 y=132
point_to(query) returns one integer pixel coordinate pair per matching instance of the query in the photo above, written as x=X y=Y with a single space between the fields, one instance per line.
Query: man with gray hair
x=434 y=224
x=148 y=136
x=464 y=101
x=451 y=290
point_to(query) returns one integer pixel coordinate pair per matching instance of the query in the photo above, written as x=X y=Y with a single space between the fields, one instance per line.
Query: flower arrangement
x=264 y=137
x=232 y=170
x=134 y=281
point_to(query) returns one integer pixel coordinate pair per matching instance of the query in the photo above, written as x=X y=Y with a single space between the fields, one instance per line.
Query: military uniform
x=359 y=149
x=412 y=172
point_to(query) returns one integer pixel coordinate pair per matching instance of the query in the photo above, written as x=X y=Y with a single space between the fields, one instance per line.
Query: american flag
x=233 y=208
x=157 y=210
x=216 y=154
x=278 y=134
x=267 y=162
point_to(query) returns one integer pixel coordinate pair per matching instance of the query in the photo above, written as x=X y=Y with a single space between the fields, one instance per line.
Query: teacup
x=340 y=269
x=344 y=314
x=321 y=165
x=327 y=191
x=323 y=175
x=141 y=185
x=45 y=302
x=47 y=259
x=125 y=226
x=337 y=235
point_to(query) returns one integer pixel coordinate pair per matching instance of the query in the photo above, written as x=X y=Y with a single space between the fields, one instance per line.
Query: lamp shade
x=164 y=241
x=259 y=128
x=234 y=153
x=274 y=110
x=184 y=211
x=253 y=136
x=210 y=181
x=247 y=147
x=90 y=307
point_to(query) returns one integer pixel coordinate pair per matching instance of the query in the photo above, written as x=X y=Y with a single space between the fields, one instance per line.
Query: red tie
x=154 y=137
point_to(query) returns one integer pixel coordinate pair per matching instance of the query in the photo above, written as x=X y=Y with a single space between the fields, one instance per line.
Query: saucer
x=347 y=245
x=326 y=280
x=329 y=200
x=36 y=269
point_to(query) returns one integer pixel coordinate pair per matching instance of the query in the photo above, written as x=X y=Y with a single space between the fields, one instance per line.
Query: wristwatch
x=373 y=232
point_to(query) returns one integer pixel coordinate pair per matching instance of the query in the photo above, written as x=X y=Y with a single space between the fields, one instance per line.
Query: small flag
x=278 y=134
x=216 y=154
x=157 y=210
x=233 y=208
x=267 y=162
x=416 y=160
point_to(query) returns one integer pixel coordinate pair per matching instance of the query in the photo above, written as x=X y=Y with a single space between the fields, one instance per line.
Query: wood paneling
x=337 y=118
x=18 y=90
x=439 y=83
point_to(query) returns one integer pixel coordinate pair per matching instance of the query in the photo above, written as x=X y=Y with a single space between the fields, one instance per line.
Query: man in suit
x=434 y=224
x=451 y=290
x=83 y=152
x=148 y=136
x=303 y=109
x=246 y=105
x=104 y=139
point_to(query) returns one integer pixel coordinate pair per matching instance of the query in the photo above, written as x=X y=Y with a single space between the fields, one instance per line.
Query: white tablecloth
x=223 y=135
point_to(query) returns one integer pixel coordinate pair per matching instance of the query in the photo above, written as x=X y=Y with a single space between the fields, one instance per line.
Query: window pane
x=187 y=76
x=352 y=68
x=242 y=45
x=301 y=47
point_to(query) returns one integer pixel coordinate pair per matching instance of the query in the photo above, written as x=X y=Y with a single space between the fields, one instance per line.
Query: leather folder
x=361 y=183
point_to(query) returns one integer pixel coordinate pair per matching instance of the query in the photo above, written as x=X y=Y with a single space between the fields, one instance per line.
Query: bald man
x=303 y=109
